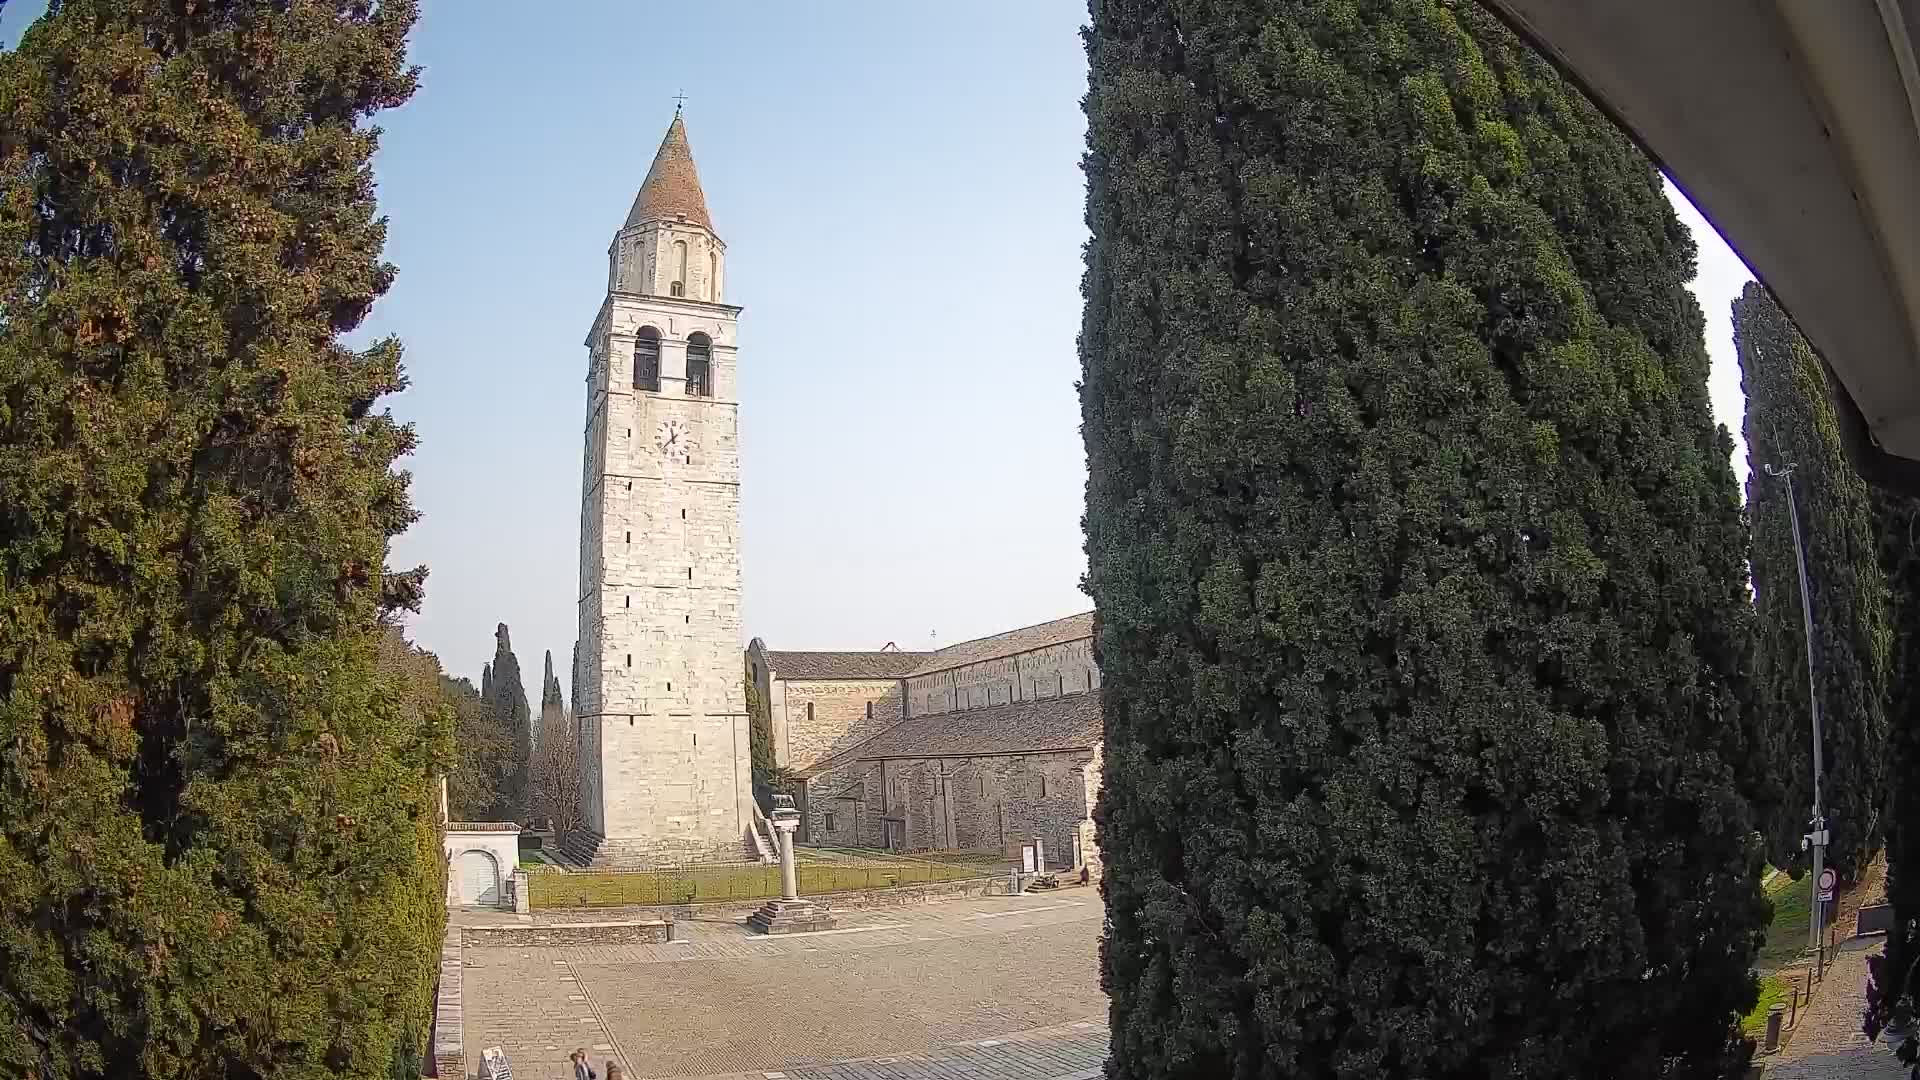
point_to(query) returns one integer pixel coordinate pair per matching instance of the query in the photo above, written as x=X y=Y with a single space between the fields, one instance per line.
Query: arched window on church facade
x=699 y=366
x=679 y=268
x=646 y=360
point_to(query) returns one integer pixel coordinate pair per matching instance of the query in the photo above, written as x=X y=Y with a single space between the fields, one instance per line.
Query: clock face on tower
x=674 y=439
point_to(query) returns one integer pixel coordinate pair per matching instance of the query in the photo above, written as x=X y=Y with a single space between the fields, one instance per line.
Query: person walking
x=582 y=1070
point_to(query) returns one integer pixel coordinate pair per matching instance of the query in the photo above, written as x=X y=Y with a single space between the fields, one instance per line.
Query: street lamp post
x=1816 y=839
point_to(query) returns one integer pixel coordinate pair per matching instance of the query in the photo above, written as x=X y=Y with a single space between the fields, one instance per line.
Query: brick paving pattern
x=939 y=991
x=1827 y=1043
x=1063 y=1052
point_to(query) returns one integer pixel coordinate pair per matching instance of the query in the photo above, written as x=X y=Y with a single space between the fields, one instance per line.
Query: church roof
x=1022 y=727
x=1025 y=639
x=672 y=188
x=844 y=665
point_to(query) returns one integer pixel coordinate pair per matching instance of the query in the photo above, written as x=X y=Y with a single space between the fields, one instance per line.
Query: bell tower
x=661 y=706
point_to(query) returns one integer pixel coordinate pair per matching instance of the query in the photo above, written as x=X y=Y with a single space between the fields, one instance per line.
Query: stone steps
x=790 y=917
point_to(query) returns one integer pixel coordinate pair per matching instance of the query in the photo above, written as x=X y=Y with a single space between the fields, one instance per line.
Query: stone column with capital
x=790 y=914
x=785 y=824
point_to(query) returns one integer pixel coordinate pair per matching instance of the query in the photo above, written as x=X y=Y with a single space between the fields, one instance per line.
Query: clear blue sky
x=899 y=188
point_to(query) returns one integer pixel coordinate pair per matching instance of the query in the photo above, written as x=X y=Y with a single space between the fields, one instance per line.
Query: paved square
x=1005 y=987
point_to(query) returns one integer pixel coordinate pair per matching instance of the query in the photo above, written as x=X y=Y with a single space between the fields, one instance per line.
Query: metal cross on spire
x=679 y=101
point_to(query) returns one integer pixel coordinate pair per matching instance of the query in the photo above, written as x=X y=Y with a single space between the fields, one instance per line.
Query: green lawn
x=1772 y=988
x=1792 y=913
x=552 y=888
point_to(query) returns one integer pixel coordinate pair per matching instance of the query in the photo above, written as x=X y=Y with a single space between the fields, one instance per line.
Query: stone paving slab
x=1827 y=1043
x=932 y=989
x=1061 y=1052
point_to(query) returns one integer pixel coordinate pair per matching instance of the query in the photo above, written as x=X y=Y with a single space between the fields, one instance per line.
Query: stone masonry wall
x=660 y=602
x=643 y=260
x=824 y=718
x=640 y=931
x=965 y=803
x=1094 y=774
x=449 y=1026
x=1043 y=673
x=849 y=827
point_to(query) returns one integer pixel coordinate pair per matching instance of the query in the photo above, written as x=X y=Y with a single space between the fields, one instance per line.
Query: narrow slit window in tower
x=679 y=287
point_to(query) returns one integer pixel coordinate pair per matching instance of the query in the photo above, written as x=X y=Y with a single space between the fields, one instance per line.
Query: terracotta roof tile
x=843 y=665
x=1025 y=639
x=1058 y=723
x=672 y=187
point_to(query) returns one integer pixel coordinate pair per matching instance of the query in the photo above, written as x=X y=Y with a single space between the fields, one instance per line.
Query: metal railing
x=819 y=871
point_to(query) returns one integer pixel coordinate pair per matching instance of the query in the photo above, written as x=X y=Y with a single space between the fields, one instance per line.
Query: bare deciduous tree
x=554 y=784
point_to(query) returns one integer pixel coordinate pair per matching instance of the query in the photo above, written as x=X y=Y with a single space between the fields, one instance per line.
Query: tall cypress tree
x=509 y=701
x=1892 y=983
x=553 y=707
x=1790 y=420
x=1417 y=558
x=551 y=696
x=218 y=850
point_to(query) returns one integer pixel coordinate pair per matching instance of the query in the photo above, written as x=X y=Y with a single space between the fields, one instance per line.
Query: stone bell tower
x=661 y=706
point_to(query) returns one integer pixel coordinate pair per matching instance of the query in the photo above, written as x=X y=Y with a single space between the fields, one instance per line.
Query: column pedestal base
x=790 y=917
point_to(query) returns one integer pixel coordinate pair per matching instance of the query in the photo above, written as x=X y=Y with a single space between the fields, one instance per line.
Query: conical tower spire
x=672 y=188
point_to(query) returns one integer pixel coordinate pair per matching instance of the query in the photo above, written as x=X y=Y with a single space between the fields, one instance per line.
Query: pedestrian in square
x=581 y=1070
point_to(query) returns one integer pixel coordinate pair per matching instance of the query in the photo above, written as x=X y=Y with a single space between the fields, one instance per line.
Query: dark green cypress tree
x=1790 y=420
x=552 y=698
x=509 y=702
x=1418 y=561
x=218 y=827
x=1892 y=981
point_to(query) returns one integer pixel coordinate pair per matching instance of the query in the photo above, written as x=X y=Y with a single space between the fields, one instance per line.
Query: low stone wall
x=449 y=1036
x=654 y=931
x=903 y=895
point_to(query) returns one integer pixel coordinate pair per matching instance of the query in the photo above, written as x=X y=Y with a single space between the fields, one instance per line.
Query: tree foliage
x=759 y=739
x=1892 y=984
x=553 y=701
x=509 y=702
x=218 y=826
x=554 y=775
x=555 y=784
x=1418 y=563
x=483 y=750
x=1790 y=420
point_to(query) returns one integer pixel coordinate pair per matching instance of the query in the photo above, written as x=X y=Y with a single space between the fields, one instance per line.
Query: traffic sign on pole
x=1826 y=885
